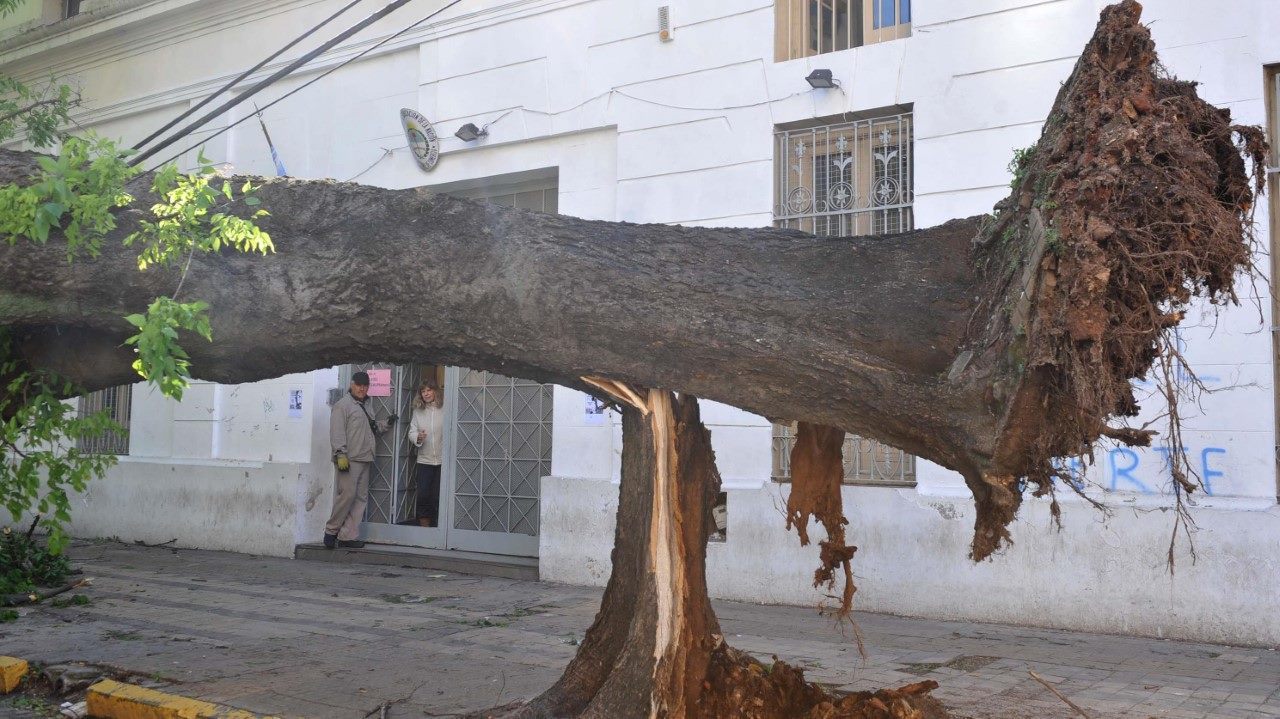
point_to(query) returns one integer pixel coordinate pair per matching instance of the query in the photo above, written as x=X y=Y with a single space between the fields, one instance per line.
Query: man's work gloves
x=343 y=463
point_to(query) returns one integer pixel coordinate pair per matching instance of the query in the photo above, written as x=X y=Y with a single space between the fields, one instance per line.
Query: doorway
x=497 y=448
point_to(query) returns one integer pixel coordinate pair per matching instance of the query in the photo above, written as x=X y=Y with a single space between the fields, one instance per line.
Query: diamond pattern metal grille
x=503 y=441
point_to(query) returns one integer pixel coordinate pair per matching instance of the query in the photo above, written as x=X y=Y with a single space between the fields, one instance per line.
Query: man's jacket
x=349 y=430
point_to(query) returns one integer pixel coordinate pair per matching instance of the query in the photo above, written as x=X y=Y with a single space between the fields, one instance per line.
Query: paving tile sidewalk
x=320 y=640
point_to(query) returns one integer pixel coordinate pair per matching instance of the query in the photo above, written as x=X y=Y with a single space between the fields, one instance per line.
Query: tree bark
x=989 y=345
x=851 y=332
x=655 y=648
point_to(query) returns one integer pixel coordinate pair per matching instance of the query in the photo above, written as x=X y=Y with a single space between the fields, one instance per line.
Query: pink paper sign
x=379 y=383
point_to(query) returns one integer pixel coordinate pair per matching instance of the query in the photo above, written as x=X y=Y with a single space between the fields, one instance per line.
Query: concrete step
x=459 y=562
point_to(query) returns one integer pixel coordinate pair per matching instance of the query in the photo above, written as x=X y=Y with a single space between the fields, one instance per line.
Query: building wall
x=681 y=132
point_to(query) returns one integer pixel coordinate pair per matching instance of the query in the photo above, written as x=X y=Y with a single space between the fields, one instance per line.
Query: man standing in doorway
x=352 y=433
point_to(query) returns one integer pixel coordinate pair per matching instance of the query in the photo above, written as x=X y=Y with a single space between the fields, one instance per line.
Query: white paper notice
x=594 y=411
x=295 y=404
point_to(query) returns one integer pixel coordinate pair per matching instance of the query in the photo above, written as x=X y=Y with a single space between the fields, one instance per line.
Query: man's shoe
x=350 y=543
x=330 y=541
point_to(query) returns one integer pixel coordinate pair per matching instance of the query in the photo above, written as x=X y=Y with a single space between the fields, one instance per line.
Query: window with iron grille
x=866 y=461
x=839 y=180
x=116 y=401
x=812 y=27
x=850 y=178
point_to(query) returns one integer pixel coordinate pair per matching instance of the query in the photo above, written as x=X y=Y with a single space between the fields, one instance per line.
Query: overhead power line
x=390 y=8
x=245 y=74
x=308 y=83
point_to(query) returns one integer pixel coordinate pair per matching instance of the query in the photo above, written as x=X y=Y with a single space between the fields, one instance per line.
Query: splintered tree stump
x=655 y=648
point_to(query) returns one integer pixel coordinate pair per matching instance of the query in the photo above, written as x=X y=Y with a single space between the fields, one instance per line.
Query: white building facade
x=693 y=112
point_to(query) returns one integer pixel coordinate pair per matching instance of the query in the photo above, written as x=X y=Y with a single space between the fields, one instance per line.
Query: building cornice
x=124 y=28
x=426 y=33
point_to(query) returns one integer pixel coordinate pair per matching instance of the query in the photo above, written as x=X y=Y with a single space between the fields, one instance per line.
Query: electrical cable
x=287 y=69
x=551 y=113
x=386 y=152
x=245 y=74
x=310 y=82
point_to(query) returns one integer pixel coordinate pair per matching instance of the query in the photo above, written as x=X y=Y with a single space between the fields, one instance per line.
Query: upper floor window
x=70 y=8
x=813 y=27
x=844 y=179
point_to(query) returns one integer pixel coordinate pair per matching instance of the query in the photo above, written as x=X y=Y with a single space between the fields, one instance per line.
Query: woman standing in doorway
x=426 y=432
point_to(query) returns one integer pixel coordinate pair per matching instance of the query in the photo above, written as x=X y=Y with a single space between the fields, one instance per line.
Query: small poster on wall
x=594 y=411
x=295 y=404
x=379 y=383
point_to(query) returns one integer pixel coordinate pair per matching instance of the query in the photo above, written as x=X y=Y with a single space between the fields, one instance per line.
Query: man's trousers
x=350 y=495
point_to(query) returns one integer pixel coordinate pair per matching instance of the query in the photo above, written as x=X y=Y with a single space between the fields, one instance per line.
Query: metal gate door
x=501 y=449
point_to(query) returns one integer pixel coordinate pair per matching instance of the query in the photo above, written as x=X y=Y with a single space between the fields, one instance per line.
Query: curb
x=110 y=699
x=12 y=670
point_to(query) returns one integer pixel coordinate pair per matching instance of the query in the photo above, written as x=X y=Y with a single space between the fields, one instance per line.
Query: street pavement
x=319 y=640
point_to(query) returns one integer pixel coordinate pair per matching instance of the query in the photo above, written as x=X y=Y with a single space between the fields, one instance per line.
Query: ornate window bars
x=839 y=180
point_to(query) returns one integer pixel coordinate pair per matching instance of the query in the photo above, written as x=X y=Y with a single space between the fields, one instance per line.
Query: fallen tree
x=991 y=345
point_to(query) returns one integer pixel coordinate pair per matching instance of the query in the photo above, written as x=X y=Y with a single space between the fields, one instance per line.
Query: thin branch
x=17 y=600
x=1058 y=694
x=23 y=111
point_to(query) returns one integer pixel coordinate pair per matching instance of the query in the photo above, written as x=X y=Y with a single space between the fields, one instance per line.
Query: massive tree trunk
x=990 y=345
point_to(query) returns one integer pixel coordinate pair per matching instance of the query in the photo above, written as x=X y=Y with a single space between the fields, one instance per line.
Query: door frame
x=445 y=535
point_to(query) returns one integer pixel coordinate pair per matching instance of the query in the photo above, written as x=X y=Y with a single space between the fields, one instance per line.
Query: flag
x=275 y=157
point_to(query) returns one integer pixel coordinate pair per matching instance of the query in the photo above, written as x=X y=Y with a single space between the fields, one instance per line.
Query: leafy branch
x=40 y=444
x=161 y=360
x=191 y=218
x=75 y=192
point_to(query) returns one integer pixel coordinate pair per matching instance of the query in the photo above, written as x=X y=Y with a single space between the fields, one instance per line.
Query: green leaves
x=75 y=192
x=37 y=110
x=161 y=360
x=40 y=456
x=25 y=565
x=194 y=216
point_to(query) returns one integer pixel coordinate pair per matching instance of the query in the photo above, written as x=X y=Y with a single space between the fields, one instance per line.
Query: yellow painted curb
x=12 y=670
x=110 y=699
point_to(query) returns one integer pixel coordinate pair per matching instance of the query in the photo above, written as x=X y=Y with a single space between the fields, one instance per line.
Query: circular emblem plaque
x=423 y=142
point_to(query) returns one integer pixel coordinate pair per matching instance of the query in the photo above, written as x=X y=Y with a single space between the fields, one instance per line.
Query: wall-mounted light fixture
x=469 y=132
x=821 y=80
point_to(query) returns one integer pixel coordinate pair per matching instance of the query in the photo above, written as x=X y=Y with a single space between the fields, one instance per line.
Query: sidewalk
x=320 y=640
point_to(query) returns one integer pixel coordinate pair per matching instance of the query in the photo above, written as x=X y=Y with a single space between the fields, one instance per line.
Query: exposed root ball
x=739 y=687
x=1135 y=200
